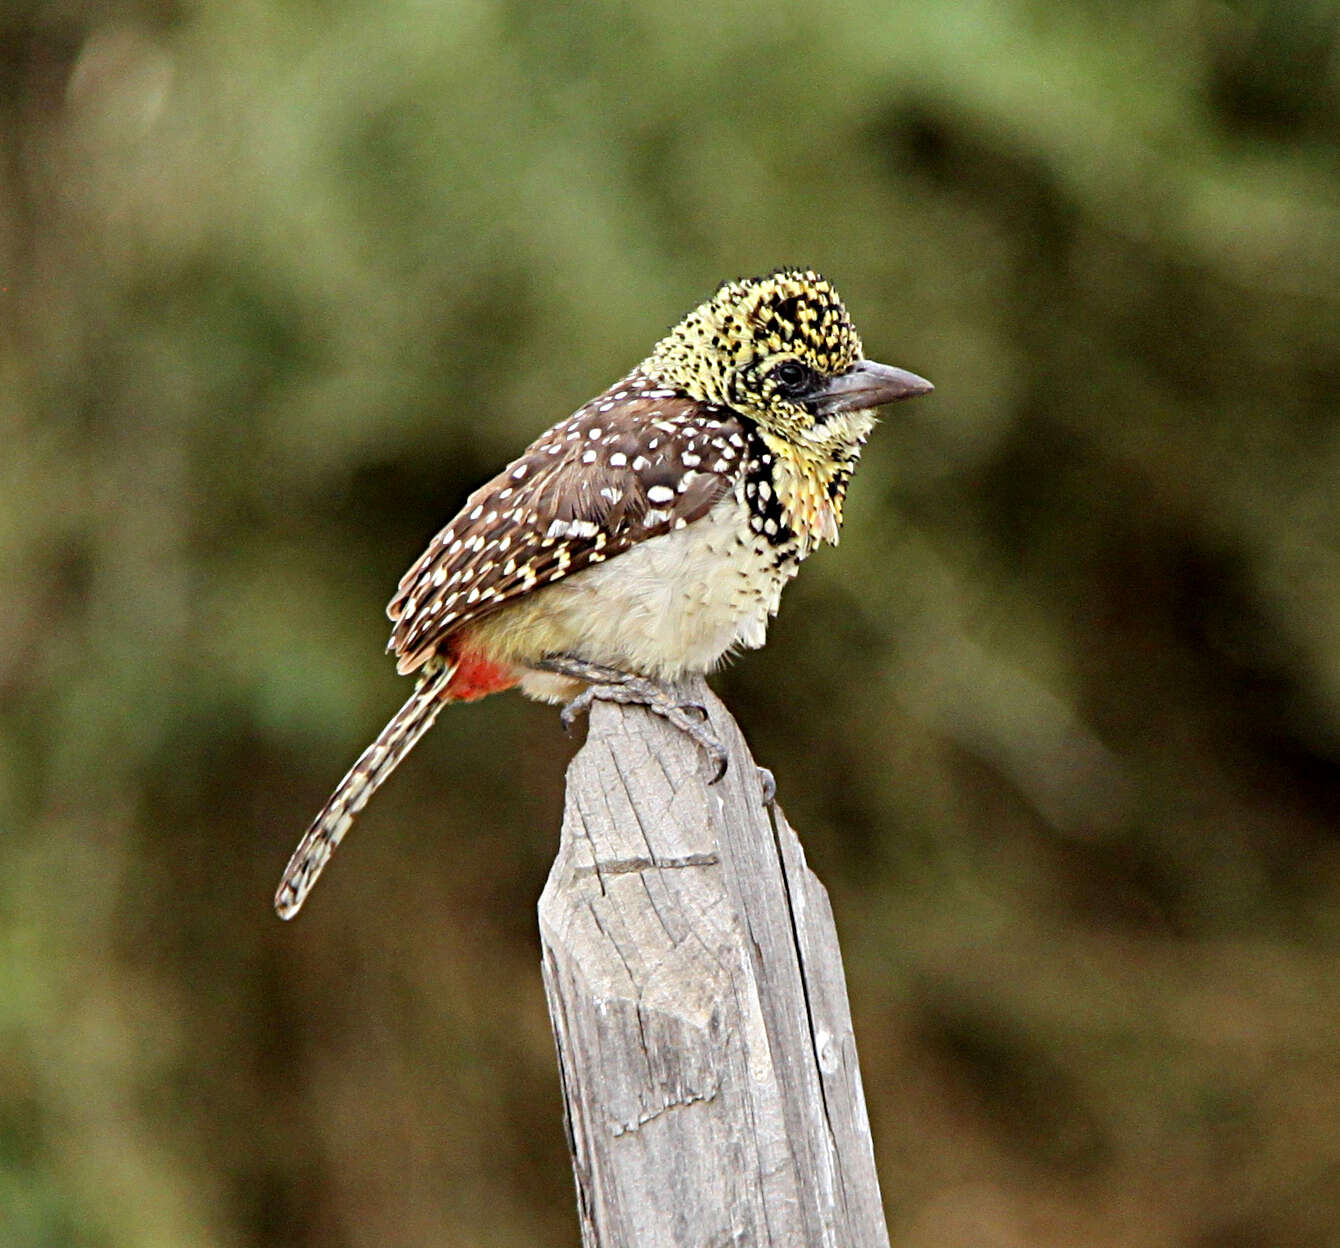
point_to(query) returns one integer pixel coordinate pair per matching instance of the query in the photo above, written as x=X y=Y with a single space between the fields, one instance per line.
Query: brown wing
x=632 y=464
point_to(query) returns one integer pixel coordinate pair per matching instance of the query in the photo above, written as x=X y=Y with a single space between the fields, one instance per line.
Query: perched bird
x=644 y=537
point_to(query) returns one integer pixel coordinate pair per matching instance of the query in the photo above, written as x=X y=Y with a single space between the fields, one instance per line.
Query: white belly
x=670 y=605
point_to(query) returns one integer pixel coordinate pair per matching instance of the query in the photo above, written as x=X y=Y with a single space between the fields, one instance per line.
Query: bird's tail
x=364 y=778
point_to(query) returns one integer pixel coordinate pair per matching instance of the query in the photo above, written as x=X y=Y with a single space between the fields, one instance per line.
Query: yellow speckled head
x=759 y=343
x=782 y=351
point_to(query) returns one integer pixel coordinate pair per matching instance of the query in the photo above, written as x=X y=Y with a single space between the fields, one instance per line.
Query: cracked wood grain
x=711 y=1089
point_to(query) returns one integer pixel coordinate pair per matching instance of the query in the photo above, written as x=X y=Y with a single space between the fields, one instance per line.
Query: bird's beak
x=867 y=384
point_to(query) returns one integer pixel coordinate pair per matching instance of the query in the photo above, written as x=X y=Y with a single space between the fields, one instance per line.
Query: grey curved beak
x=867 y=384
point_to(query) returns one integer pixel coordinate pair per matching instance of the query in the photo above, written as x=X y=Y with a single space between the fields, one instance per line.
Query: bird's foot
x=609 y=684
x=768 y=783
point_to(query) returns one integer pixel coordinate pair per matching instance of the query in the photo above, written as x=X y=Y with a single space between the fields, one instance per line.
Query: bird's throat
x=810 y=489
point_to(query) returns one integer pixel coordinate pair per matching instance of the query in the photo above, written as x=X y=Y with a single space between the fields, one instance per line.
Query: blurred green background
x=282 y=280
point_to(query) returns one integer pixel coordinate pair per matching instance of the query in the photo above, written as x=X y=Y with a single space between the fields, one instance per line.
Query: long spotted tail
x=364 y=778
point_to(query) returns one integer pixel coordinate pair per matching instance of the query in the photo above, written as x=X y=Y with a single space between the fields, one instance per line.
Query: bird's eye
x=792 y=376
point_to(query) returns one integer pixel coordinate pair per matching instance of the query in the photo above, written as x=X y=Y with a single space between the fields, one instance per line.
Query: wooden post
x=711 y=1087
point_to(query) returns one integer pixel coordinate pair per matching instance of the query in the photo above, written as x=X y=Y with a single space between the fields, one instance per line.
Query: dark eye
x=792 y=376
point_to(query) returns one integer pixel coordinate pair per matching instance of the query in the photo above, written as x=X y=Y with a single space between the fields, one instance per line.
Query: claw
x=607 y=684
x=680 y=714
x=768 y=782
x=722 y=761
x=568 y=715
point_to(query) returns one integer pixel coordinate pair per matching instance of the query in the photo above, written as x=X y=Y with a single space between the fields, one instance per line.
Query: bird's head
x=782 y=351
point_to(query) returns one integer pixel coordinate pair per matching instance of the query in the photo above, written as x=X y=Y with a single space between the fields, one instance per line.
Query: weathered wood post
x=711 y=1087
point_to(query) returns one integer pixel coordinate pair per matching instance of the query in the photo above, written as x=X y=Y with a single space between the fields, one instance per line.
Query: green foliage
x=280 y=281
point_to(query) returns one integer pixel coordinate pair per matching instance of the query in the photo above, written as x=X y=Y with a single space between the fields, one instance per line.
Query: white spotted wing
x=634 y=463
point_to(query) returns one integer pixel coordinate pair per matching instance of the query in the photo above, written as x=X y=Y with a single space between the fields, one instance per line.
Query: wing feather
x=631 y=465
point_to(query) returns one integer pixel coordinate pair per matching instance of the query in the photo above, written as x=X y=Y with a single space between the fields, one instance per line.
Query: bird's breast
x=672 y=604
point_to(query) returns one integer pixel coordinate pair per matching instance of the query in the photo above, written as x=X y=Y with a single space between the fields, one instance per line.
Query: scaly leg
x=609 y=684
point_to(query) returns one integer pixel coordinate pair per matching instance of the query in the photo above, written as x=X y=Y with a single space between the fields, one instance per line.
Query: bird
x=644 y=538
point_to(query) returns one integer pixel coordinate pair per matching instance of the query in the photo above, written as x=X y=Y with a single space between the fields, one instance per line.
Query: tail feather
x=364 y=778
